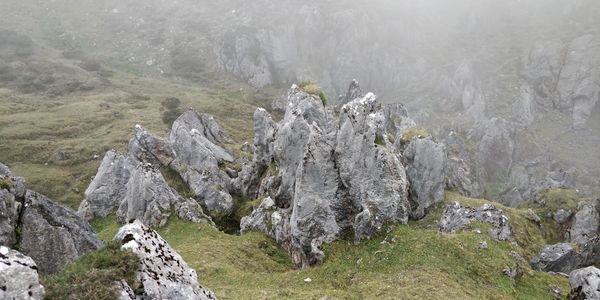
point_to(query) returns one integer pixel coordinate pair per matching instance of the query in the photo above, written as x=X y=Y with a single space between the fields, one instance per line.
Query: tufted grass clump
x=6 y=184
x=93 y=275
x=313 y=89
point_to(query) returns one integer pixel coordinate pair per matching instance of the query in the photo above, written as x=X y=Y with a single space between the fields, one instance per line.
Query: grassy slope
x=416 y=261
x=81 y=124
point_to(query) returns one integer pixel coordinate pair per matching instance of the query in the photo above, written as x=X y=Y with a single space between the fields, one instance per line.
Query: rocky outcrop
x=106 y=191
x=49 y=233
x=585 y=284
x=53 y=235
x=586 y=223
x=249 y=182
x=564 y=257
x=495 y=151
x=426 y=168
x=369 y=169
x=133 y=186
x=19 y=278
x=162 y=273
x=271 y=220
x=564 y=76
x=194 y=141
x=557 y=258
x=456 y=217
x=148 y=198
x=321 y=176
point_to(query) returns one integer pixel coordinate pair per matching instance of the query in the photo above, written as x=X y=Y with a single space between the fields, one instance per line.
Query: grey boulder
x=557 y=258
x=19 y=278
x=106 y=191
x=162 y=271
x=53 y=235
x=426 y=166
x=585 y=284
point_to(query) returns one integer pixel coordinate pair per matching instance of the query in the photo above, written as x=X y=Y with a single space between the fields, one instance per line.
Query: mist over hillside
x=308 y=124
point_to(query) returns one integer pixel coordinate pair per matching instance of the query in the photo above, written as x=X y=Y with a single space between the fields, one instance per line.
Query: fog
x=454 y=64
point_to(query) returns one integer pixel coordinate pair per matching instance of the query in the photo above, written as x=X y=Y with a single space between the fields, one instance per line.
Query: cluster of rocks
x=36 y=234
x=133 y=186
x=581 y=247
x=48 y=236
x=321 y=174
x=456 y=217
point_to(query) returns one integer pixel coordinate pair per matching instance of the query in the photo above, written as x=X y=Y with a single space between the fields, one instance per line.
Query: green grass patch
x=313 y=89
x=93 y=275
x=379 y=140
x=6 y=184
x=410 y=133
x=106 y=227
x=415 y=261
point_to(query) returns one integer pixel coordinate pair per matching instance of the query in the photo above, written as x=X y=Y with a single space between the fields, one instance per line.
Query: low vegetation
x=313 y=89
x=413 y=132
x=405 y=261
x=93 y=276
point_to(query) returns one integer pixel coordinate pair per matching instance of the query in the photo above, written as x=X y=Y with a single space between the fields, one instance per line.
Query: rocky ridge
x=51 y=234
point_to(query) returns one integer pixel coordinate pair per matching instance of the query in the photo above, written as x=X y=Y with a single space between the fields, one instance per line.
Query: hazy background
x=76 y=75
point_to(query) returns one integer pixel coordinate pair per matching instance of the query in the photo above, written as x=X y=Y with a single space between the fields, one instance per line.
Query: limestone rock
x=271 y=220
x=585 y=284
x=426 y=165
x=585 y=223
x=371 y=173
x=456 y=217
x=147 y=148
x=53 y=235
x=495 y=153
x=557 y=258
x=9 y=215
x=147 y=198
x=265 y=130
x=314 y=220
x=396 y=118
x=106 y=191
x=19 y=278
x=162 y=272
x=197 y=160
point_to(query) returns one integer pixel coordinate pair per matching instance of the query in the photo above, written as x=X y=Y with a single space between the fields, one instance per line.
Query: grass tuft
x=93 y=275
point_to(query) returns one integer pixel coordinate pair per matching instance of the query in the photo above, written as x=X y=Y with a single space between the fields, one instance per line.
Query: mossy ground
x=413 y=261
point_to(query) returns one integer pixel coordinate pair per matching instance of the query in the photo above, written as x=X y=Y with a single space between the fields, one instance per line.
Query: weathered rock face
x=147 y=148
x=265 y=129
x=397 y=118
x=585 y=223
x=106 y=191
x=132 y=185
x=564 y=76
x=197 y=159
x=557 y=258
x=273 y=221
x=462 y=174
x=496 y=146
x=49 y=233
x=456 y=217
x=314 y=218
x=54 y=235
x=585 y=284
x=327 y=177
x=426 y=171
x=163 y=274
x=370 y=171
x=19 y=278
x=9 y=216
x=147 y=198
